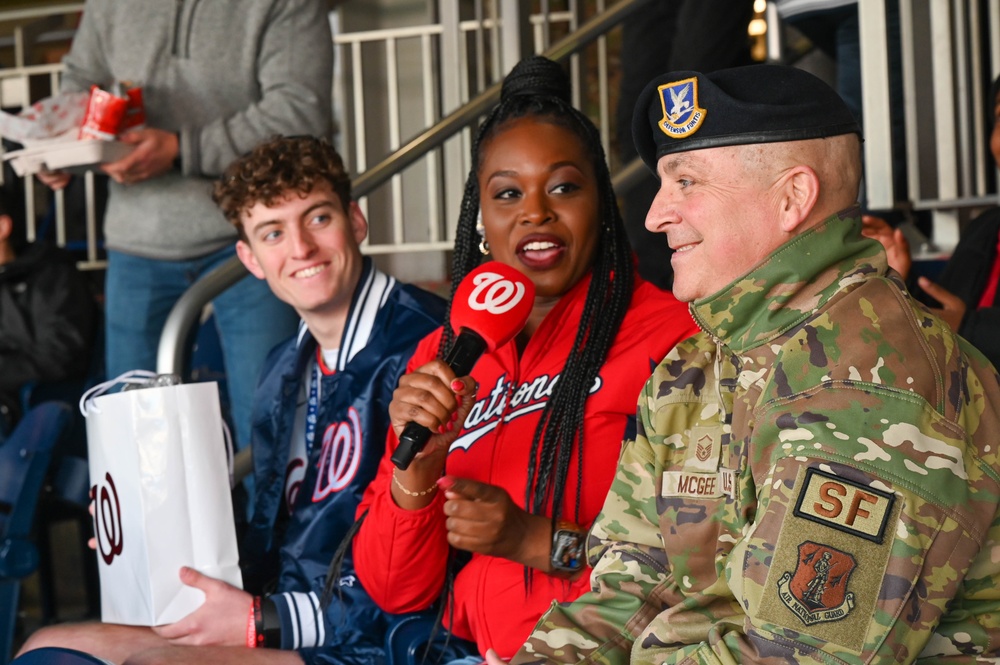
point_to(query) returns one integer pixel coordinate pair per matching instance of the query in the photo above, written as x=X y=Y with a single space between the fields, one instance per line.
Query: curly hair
x=274 y=169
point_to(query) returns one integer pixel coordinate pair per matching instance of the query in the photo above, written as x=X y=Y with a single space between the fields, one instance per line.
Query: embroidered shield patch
x=816 y=591
x=681 y=115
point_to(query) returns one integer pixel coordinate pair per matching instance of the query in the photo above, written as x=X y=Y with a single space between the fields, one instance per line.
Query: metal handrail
x=170 y=356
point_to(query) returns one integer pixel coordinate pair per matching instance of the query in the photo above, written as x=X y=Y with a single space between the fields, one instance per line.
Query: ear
x=249 y=259
x=798 y=195
x=6 y=227
x=359 y=225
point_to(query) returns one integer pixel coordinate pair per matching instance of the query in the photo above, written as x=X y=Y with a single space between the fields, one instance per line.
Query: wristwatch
x=568 y=541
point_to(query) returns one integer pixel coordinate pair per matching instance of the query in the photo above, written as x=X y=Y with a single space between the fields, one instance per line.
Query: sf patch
x=845 y=505
x=828 y=561
x=817 y=590
x=681 y=115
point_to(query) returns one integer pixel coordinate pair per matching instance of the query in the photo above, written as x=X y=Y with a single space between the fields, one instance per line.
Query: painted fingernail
x=454 y=416
x=441 y=429
x=457 y=385
x=445 y=482
x=450 y=426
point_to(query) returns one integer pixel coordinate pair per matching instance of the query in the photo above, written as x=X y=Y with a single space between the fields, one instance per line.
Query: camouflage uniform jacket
x=814 y=479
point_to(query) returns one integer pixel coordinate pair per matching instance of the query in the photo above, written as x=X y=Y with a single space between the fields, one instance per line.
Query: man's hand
x=493 y=659
x=220 y=621
x=897 y=248
x=952 y=309
x=483 y=518
x=153 y=155
x=54 y=180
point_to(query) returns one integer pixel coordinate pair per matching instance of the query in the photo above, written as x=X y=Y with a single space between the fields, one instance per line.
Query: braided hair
x=539 y=88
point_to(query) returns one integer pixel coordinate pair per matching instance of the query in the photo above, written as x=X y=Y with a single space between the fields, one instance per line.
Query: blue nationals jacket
x=297 y=542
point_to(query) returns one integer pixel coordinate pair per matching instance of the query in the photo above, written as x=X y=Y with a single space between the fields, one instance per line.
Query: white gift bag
x=160 y=483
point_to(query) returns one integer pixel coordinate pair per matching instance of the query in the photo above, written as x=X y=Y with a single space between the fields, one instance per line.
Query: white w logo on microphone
x=500 y=296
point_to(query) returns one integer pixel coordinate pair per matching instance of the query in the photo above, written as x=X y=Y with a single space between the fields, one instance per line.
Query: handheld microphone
x=491 y=305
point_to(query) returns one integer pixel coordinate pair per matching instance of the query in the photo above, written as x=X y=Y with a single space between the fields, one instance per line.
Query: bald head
x=835 y=160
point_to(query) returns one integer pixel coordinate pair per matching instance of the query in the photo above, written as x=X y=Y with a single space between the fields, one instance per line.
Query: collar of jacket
x=369 y=296
x=792 y=283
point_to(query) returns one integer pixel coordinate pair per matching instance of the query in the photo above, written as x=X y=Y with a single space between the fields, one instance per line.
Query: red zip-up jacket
x=400 y=555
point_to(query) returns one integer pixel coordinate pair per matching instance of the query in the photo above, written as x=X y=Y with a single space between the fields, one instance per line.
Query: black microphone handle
x=462 y=357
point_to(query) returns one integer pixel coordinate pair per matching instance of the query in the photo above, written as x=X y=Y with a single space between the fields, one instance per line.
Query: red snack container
x=104 y=115
x=135 y=110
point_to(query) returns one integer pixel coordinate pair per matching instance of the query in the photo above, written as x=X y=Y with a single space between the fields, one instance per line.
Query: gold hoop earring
x=484 y=247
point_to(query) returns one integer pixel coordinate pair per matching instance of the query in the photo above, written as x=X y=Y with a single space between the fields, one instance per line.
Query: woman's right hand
x=433 y=397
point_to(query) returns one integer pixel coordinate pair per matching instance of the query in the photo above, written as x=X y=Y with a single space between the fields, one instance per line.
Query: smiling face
x=719 y=217
x=539 y=198
x=307 y=248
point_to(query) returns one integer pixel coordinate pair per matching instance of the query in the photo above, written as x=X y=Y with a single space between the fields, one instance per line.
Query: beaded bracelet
x=408 y=492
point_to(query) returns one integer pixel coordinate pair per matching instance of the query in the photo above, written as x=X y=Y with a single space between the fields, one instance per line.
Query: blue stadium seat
x=406 y=638
x=24 y=461
x=413 y=640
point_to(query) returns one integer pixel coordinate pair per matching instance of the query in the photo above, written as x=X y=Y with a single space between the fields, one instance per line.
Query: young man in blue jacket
x=319 y=426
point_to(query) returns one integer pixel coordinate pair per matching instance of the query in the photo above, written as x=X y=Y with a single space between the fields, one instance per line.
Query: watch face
x=567 y=550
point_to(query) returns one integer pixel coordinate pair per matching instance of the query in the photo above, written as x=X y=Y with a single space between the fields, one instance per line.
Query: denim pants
x=250 y=320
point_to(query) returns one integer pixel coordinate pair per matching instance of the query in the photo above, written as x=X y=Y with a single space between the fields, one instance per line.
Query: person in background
x=213 y=88
x=967 y=293
x=815 y=477
x=320 y=423
x=832 y=26
x=689 y=34
x=48 y=316
x=529 y=441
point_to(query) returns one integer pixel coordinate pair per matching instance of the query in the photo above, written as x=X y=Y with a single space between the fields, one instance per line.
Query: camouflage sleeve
x=874 y=537
x=628 y=577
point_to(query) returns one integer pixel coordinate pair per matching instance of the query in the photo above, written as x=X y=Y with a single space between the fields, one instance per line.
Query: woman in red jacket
x=523 y=461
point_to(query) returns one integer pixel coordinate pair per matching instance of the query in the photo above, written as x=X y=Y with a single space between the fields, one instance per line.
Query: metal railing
x=374 y=108
x=171 y=353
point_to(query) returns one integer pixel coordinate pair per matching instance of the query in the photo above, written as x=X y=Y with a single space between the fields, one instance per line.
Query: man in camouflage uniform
x=815 y=477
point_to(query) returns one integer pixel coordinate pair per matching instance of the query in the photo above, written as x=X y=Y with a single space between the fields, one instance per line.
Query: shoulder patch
x=817 y=590
x=681 y=115
x=828 y=567
x=845 y=505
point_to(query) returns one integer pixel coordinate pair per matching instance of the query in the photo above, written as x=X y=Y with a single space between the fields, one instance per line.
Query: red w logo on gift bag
x=107 y=520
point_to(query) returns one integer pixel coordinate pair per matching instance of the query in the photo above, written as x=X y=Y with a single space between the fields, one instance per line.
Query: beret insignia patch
x=681 y=115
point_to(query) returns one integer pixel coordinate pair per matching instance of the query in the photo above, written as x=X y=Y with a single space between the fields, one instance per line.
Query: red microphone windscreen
x=494 y=301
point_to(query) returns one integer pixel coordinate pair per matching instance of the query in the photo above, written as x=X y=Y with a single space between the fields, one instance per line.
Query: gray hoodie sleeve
x=294 y=70
x=85 y=64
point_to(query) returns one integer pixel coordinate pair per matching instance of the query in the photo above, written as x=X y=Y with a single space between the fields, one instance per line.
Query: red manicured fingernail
x=450 y=426
x=454 y=416
x=445 y=482
x=441 y=429
x=457 y=385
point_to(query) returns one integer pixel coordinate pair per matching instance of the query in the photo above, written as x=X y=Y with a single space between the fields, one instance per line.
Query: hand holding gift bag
x=161 y=490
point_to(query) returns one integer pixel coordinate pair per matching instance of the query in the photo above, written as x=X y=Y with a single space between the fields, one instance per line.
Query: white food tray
x=72 y=156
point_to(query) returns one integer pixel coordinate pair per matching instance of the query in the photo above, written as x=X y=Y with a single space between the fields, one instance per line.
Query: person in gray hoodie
x=217 y=77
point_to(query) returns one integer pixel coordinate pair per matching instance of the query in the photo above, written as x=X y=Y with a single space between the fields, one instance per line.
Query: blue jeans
x=250 y=320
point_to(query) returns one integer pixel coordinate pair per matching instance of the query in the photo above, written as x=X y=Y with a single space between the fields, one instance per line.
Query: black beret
x=686 y=110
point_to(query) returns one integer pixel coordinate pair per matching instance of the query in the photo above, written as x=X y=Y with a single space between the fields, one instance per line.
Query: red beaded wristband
x=252 y=624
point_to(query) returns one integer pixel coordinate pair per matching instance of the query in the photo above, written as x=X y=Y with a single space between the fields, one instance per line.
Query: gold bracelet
x=408 y=492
